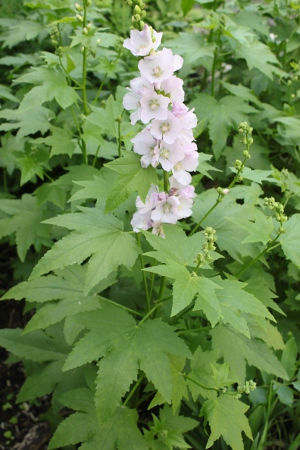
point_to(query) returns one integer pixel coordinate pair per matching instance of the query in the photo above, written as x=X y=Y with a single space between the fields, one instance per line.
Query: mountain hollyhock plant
x=156 y=99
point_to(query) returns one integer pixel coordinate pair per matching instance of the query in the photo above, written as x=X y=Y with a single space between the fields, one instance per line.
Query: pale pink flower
x=131 y=101
x=142 y=42
x=181 y=169
x=160 y=67
x=173 y=87
x=168 y=129
x=170 y=154
x=154 y=106
x=187 y=118
x=145 y=144
x=166 y=210
x=139 y=84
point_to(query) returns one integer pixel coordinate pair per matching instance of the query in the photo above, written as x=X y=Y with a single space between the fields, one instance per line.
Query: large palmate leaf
x=131 y=178
x=291 y=238
x=95 y=235
x=62 y=293
x=119 y=432
x=226 y=417
x=51 y=84
x=126 y=348
x=23 y=218
x=237 y=349
x=221 y=117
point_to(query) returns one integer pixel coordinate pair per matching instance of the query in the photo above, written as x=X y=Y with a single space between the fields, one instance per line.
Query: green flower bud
x=79 y=17
x=78 y=7
x=136 y=18
x=289 y=82
x=137 y=10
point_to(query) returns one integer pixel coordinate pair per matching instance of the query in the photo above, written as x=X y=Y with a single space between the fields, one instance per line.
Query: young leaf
x=226 y=417
x=131 y=178
x=98 y=236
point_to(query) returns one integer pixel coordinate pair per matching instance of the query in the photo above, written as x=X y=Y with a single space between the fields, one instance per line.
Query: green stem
x=4 y=180
x=72 y=80
x=206 y=215
x=83 y=87
x=162 y=288
x=138 y=235
x=166 y=181
x=182 y=313
x=164 y=299
x=96 y=155
x=100 y=89
x=193 y=330
x=122 y=306
x=149 y=313
x=239 y=171
x=268 y=247
x=133 y=390
x=48 y=176
x=119 y=140
x=199 y=384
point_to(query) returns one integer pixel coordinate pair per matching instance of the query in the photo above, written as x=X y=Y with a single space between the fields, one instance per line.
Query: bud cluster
x=246 y=131
x=278 y=209
x=208 y=245
x=138 y=13
x=248 y=387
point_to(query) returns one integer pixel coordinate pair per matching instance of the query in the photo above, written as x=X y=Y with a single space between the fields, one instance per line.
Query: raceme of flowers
x=156 y=99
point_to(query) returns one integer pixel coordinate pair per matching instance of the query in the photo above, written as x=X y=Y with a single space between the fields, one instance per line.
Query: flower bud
x=137 y=10
x=85 y=31
x=78 y=7
x=79 y=17
x=226 y=191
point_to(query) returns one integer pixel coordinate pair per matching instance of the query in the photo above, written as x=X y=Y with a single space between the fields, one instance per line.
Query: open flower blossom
x=142 y=42
x=156 y=99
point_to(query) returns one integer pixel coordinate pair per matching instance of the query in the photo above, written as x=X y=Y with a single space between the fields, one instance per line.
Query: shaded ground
x=20 y=428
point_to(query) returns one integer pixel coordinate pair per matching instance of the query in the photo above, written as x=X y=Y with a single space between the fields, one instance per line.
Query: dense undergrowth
x=186 y=337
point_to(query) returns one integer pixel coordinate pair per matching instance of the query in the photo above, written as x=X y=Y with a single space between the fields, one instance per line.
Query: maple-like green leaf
x=98 y=236
x=202 y=372
x=41 y=381
x=24 y=219
x=193 y=48
x=35 y=346
x=131 y=178
x=237 y=349
x=98 y=188
x=119 y=432
x=203 y=166
x=291 y=238
x=176 y=246
x=60 y=141
x=22 y=31
x=226 y=417
x=221 y=116
x=52 y=84
x=259 y=56
x=76 y=428
x=38 y=121
x=230 y=237
x=51 y=192
x=146 y=347
x=167 y=430
x=179 y=390
x=258 y=225
x=125 y=347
